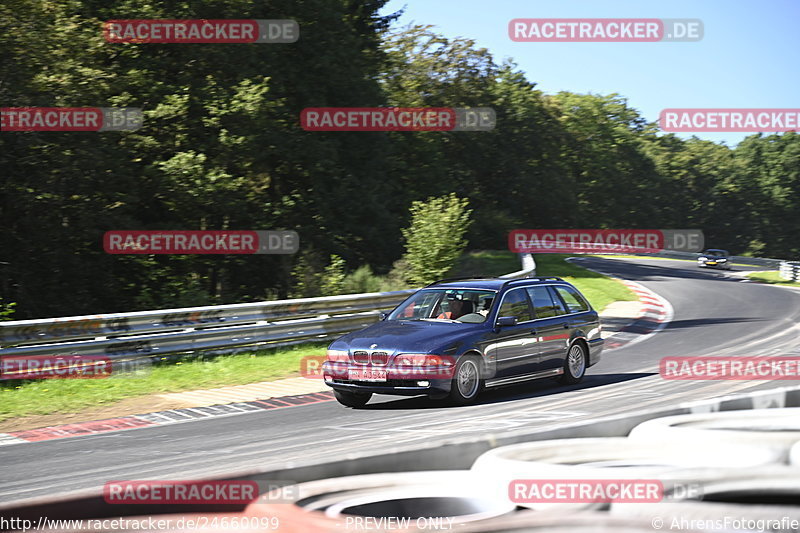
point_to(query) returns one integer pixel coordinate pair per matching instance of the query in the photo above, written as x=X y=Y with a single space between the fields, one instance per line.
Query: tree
x=435 y=238
x=221 y=148
x=333 y=277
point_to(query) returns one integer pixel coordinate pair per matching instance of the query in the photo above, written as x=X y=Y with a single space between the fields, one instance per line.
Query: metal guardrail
x=221 y=328
x=169 y=331
x=170 y=320
x=790 y=270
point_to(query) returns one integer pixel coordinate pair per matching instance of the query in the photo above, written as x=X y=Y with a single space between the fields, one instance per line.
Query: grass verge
x=599 y=289
x=39 y=397
x=772 y=277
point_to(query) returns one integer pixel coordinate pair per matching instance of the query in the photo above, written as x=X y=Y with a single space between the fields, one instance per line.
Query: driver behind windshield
x=456 y=309
x=487 y=305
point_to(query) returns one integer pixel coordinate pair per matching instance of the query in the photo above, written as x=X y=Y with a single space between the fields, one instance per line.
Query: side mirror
x=506 y=321
x=383 y=316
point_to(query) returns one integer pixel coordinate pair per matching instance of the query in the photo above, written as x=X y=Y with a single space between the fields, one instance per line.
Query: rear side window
x=576 y=303
x=515 y=303
x=544 y=305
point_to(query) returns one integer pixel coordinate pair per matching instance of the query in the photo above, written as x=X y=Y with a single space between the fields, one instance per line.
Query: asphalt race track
x=715 y=313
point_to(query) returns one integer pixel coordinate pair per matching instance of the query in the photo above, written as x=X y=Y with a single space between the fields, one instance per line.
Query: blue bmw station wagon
x=456 y=337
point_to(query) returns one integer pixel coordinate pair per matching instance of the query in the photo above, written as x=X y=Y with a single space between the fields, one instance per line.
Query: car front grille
x=379 y=358
x=363 y=357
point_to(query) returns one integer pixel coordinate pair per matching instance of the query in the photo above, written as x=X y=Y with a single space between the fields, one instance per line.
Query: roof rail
x=533 y=278
x=445 y=280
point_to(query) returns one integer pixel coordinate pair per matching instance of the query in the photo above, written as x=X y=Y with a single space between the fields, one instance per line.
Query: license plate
x=711 y=263
x=366 y=375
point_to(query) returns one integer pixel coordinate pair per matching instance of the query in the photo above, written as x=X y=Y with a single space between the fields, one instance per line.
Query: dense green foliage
x=222 y=148
x=435 y=238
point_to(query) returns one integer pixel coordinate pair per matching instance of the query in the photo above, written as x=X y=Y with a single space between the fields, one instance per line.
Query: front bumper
x=402 y=381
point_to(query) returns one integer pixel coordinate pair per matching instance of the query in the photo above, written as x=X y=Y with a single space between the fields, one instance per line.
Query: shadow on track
x=699 y=322
x=532 y=389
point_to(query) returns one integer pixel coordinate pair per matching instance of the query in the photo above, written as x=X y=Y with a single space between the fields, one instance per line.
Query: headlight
x=721 y=260
x=419 y=359
x=337 y=356
x=411 y=359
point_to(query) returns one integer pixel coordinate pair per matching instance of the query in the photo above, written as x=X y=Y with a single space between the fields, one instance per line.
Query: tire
x=574 y=364
x=467 y=382
x=319 y=505
x=617 y=458
x=794 y=455
x=620 y=457
x=759 y=495
x=774 y=429
x=352 y=399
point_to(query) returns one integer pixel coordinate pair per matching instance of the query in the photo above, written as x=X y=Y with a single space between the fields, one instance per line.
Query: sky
x=749 y=56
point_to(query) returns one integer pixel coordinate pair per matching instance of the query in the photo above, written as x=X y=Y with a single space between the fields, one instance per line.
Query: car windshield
x=719 y=253
x=449 y=305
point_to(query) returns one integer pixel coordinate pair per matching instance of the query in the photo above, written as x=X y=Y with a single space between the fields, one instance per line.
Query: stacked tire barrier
x=766 y=498
x=790 y=270
x=742 y=465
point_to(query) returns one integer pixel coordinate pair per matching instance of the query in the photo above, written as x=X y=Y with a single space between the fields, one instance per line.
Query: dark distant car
x=714 y=258
x=456 y=337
